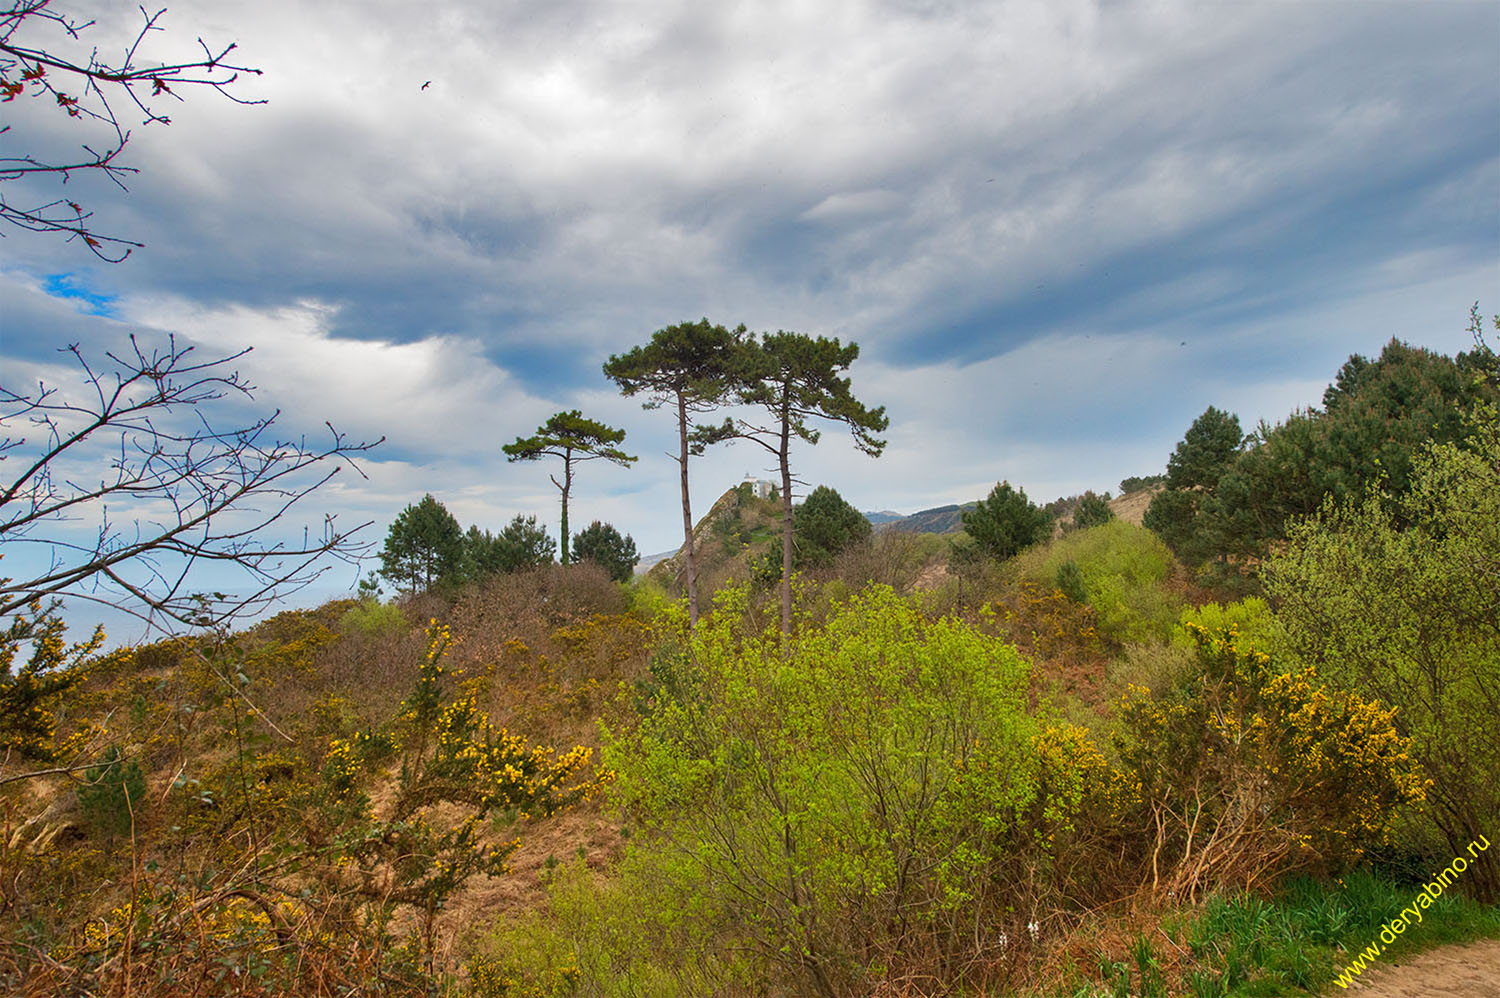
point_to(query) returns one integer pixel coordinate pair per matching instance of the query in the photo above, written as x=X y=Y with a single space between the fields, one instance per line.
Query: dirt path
x=1468 y=971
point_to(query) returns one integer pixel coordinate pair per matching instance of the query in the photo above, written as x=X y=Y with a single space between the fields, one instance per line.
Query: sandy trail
x=1468 y=971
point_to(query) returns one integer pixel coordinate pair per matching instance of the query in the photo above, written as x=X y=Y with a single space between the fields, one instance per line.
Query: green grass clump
x=1300 y=940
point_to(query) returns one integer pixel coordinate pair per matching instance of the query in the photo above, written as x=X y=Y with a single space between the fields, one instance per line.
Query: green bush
x=1251 y=771
x=621 y=937
x=1123 y=568
x=844 y=799
x=647 y=599
x=1070 y=582
x=373 y=619
x=1250 y=618
x=1154 y=665
x=1399 y=603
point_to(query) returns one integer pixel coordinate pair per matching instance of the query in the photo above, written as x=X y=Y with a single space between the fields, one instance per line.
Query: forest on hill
x=1052 y=752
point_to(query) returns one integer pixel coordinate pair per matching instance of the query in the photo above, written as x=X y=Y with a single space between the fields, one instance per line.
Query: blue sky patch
x=71 y=286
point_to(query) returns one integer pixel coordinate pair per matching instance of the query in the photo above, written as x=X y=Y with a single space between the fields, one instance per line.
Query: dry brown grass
x=1132 y=507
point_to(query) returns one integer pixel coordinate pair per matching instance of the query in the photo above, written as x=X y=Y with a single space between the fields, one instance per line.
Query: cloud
x=1058 y=230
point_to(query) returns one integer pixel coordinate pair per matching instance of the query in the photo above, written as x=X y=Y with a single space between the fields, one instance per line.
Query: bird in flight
x=427 y=84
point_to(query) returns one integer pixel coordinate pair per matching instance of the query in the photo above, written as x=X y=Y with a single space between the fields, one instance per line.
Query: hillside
x=736 y=528
x=938 y=520
x=1131 y=507
x=315 y=779
x=947 y=520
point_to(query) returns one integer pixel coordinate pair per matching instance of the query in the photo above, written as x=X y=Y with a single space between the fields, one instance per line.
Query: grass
x=1296 y=942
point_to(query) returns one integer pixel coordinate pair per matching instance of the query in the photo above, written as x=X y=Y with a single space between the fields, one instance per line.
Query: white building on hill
x=759 y=487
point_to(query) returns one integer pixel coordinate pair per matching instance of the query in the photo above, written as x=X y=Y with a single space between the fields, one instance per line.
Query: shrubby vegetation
x=852 y=795
x=1397 y=596
x=1060 y=767
x=331 y=807
x=1120 y=570
x=892 y=797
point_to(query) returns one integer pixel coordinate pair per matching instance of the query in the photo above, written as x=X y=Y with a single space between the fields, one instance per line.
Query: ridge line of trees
x=1230 y=497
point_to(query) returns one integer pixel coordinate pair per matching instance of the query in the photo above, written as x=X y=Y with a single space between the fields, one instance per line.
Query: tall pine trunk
x=567 y=487
x=687 y=513
x=786 y=522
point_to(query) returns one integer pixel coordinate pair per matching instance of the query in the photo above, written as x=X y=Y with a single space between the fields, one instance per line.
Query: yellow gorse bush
x=29 y=695
x=1247 y=770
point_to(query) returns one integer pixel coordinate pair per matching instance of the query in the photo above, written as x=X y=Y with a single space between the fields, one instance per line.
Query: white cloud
x=433 y=396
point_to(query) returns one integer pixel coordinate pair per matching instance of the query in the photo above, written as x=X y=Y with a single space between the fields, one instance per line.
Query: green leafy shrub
x=646 y=598
x=1249 y=618
x=621 y=936
x=1398 y=599
x=1123 y=568
x=373 y=619
x=850 y=798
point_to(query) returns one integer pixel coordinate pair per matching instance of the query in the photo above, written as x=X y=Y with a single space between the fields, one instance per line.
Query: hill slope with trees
x=1065 y=768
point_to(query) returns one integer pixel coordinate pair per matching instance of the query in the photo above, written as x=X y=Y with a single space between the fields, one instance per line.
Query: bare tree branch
x=196 y=495
x=33 y=65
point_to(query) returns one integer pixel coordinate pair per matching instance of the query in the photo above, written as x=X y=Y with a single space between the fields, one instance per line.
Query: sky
x=1058 y=230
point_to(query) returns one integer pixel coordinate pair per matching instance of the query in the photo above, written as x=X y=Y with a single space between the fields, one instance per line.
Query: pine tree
x=573 y=438
x=825 y=524
x=425 y=547
x=1092 y=511
x=685 y=366
x=1006 y=522
x=1206 y=451
x=521 y=545
x=795 y=378
x=602 y=544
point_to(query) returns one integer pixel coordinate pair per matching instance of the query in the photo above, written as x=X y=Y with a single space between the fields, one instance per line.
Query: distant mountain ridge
x=937 y=520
